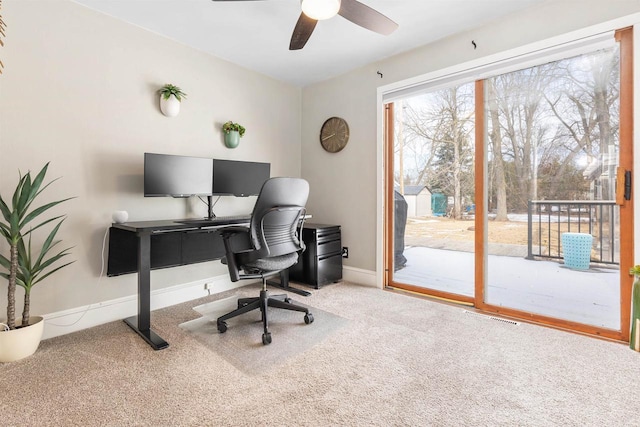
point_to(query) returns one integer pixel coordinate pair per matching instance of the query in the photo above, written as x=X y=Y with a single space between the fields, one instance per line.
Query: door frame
x=625 y=39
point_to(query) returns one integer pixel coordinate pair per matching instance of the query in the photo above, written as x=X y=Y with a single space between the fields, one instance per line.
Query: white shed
x=418 y=199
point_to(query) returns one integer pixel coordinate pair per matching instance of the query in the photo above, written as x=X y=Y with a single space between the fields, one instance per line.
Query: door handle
x=627 y=185
x=623 y=186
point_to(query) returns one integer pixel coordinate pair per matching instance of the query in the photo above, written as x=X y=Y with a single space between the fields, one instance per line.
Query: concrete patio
x=543 y=287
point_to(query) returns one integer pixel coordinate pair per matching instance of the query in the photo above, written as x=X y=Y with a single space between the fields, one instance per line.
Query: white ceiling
x=256 y=34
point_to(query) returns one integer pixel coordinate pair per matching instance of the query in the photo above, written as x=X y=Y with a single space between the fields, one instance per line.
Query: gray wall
x=79 y=90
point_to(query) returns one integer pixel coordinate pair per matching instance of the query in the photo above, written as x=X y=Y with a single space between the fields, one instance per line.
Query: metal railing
x=548 y=219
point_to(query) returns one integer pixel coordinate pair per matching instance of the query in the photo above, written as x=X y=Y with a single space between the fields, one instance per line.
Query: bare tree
x=497 y=162
x=517 y=111
x=544 y=123
x=586 y=108
x=444 y=124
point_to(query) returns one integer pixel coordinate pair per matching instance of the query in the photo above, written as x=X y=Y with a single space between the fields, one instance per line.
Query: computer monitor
x=237 y=178
x=177 y=176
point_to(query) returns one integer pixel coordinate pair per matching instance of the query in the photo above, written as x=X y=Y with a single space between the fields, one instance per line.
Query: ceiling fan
x=317 y=10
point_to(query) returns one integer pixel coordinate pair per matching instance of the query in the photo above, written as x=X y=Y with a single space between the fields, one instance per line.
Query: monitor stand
x=210 y=214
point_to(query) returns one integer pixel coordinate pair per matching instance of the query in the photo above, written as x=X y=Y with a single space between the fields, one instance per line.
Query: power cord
x=104 y=244
x=4 y=326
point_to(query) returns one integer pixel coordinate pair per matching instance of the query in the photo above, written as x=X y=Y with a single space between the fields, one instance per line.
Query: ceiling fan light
x=320 y=9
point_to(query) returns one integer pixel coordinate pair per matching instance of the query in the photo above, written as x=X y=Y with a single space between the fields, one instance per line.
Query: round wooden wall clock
x=334 y=134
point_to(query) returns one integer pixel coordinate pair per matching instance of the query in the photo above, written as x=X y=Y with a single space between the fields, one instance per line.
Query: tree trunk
x=400 y=145
x=496 y=140
x=603 y=118
x=11 y=294
x=457 y=196
x=25 y=309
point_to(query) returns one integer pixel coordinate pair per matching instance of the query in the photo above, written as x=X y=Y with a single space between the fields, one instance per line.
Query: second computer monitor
x=237 y=178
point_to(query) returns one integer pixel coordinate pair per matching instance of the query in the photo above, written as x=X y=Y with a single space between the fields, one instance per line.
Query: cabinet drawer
x=329 y=247
x=329 y=269
x=328 y=235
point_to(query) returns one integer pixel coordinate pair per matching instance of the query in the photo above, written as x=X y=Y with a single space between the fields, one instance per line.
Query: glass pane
x=552 y=221
x=434 y=190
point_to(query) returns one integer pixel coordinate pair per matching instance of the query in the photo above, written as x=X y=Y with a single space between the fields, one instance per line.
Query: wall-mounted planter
x=232 y=133
x=169 y=107
x=232 y=139
x=170 y=98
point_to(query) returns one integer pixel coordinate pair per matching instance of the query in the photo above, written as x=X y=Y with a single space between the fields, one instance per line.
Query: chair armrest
x=227 y=233
x=231 y=230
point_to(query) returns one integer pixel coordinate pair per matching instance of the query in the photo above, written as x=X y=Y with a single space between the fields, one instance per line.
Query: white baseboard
x=79 y=318
x=76 y=319
x=360 y=276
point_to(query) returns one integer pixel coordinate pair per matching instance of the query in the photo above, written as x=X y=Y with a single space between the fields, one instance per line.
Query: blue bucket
x=576 y=249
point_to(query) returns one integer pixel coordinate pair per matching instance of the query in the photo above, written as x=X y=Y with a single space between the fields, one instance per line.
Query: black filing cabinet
x=321 y=262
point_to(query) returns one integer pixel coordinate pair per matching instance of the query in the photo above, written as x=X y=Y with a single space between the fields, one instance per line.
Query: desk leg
x=142 y=322
x=284 y=284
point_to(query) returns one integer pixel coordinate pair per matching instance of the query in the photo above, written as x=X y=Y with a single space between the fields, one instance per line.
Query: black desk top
x=161 y=225
x=180 y=224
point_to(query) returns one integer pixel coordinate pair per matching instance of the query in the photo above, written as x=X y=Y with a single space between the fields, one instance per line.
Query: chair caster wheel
x=287 y=300
x=266 y=338
x=308 y=318
x=222 y=327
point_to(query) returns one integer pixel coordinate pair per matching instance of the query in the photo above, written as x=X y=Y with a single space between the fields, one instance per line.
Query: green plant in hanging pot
x=232 y=133
x=634 y=338
x=26 y=265
x=170 y=99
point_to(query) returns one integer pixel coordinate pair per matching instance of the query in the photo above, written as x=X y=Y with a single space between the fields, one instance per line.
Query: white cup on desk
x=120 y=216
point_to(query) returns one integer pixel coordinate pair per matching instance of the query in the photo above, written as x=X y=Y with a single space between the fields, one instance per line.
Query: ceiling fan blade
x=302 y=31
x=366 y=17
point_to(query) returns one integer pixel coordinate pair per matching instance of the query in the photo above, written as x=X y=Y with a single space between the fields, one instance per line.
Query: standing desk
x=176 y=243
x=145 y=245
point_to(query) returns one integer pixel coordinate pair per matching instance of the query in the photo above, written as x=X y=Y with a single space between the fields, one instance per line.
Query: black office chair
x=275 y=234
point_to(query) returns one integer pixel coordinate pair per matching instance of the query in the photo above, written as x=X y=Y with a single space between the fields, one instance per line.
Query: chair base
x=263 y=302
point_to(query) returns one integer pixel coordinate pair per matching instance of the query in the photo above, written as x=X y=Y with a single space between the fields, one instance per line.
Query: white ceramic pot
x=22 y=342
x=169 y=107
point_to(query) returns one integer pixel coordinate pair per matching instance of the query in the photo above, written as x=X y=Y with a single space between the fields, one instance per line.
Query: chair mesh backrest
x=276 y=216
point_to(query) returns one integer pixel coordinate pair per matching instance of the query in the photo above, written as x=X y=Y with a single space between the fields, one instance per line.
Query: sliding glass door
x=433 y=191
x=508 y=192
x=553 y=225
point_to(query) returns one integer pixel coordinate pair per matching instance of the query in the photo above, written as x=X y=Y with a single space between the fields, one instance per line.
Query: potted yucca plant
x=170 y=99
x=26 y=265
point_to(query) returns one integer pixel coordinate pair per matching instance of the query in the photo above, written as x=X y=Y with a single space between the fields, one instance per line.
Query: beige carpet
x=396 y=361
x=242 y=344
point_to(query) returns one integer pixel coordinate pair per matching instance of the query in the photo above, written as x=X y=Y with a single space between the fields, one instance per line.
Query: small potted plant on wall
x=26 y=266
x=232 y=133
x=170 y=98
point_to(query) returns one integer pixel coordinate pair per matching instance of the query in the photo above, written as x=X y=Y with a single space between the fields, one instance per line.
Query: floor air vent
x=499 y=319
